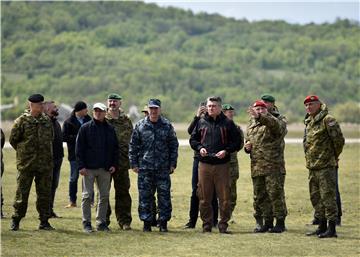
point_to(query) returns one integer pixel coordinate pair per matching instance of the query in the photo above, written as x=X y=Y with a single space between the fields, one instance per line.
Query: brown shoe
x=71 y=205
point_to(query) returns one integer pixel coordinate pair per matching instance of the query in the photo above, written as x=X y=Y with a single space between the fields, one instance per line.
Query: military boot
x=15 y=225
x=279 y=227
x=163 y=226
x=321 y=228
x=330 y=232
x=259 y=224
x=147 y=226
x=268 y=225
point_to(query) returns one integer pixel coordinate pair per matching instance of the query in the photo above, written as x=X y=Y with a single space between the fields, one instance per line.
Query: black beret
x=36 y=98
x=80 y=106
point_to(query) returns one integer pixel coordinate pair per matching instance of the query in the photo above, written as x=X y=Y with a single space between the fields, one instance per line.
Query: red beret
x=311 y=98
x=259 y=103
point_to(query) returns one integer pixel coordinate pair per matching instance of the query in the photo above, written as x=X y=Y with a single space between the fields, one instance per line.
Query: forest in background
x=72 y=51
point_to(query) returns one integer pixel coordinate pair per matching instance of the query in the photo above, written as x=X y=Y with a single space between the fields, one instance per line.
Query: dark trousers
x=55 y=182
x=194 y=200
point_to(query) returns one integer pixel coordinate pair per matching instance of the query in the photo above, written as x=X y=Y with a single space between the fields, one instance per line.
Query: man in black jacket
x=71 y=126
x=51 y=111
x=97 y=154
x=214 y=137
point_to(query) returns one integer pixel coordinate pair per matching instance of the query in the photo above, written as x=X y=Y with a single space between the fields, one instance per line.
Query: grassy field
x=69 y=240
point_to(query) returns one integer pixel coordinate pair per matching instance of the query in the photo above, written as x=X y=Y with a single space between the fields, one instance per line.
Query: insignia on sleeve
x=332 y=123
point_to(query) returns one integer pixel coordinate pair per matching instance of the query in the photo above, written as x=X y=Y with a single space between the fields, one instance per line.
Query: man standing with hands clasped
x=97 y=155
x=215 y=137
x=153 y=156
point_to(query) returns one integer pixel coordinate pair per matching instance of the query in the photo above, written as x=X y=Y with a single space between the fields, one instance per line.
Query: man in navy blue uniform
x=153 y=156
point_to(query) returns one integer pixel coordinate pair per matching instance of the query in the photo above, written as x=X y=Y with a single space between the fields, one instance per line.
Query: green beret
x=227 y=107
x=115 y=96
x=268 y=98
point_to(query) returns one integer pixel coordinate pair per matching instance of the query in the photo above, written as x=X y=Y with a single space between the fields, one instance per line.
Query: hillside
x=84 y=50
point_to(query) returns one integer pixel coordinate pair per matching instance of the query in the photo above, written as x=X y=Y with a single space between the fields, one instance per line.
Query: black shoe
x=223 y=229
x=330 y=232
x=14 y=225
x=87 y=227
x=279 y=227
x=267 y=226
x=147 y=226
x=163 y=226
x=258 y=225
x=189 y=225
x=315 y=221
x=103 y=227
x=321 y=229
x=45 y=225
x=54 y=215
x=206 y=229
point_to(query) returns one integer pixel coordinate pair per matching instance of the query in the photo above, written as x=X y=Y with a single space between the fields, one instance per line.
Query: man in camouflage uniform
x=123 y=128
x=229 y=112
x=153 y=155
x=323 y=143
x=264 y=143
x=32 y=137
x=269 y=101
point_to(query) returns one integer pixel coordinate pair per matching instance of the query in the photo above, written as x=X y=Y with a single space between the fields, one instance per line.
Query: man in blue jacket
x=97 y=156
x=153 y=155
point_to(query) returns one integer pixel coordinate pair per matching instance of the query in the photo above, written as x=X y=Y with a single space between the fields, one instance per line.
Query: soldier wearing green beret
x=229 y=112
x=123 y=128
x=323 y=144
x=269 y=101
x=32 y=137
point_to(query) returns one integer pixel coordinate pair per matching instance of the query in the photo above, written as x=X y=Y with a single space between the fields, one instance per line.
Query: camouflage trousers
x=43 y=179
x=322 y=186
x=269 y=197
x=234 y=176
x=149 y=182
x=121 y=182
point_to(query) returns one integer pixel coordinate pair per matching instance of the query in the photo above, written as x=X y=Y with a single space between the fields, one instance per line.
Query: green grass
x=69 y=240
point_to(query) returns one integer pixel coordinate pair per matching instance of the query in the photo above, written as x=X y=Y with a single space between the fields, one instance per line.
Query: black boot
x=279 y=227
x=191 y=224
x=321 y=228
x=338 y=221
x=330 y=232
x=163 y=226
x=15 y=225
x=268 y=225
x=147 y=226
x=259 y=224
x=45 y=225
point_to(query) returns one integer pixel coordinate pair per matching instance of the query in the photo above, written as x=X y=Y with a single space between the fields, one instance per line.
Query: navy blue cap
x=154 y=103
x=36 y=98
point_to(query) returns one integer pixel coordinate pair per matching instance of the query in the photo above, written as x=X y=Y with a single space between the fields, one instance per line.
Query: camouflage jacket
x=32 y=139
x=283 y=124
x=233 y=156
x=123 y=129
x=153 y=146
x=266 y=135
x=323 y=140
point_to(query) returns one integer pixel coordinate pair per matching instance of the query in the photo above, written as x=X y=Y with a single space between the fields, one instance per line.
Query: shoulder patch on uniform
x=332 y=123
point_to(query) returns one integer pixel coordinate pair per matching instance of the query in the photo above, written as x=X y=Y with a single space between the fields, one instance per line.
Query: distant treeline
x=84 y=50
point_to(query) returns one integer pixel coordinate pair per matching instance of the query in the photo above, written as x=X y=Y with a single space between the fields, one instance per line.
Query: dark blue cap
x=154 y=103
x=36 y=98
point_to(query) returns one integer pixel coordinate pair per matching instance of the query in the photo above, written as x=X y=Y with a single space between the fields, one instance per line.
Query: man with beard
x=51 y=111
x=123 y=128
